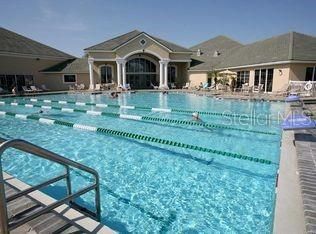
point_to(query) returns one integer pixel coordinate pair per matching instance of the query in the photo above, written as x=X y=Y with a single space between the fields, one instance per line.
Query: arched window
x=140 y=65
x=106 y=72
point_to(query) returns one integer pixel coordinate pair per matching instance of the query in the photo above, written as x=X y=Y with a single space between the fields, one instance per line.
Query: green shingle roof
x=113 y=43
x=207 y=60
x=11 y=42
x=79 y=65
x=286 y=47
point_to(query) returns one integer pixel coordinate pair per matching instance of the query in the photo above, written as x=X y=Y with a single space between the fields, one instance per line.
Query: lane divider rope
x=169 y=110
x=129 y=135
x=144 y=118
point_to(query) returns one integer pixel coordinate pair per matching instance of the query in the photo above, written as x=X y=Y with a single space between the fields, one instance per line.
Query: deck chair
x=35 y=89
x=173 y=86
x=27 y=90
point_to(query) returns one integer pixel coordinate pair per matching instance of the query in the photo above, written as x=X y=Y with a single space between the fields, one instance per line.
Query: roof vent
x=198 y=52
x=216 y=53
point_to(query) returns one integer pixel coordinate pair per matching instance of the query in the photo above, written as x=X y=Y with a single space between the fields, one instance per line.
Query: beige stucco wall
x=26 y=66
x=56 y=82
x=151 y=46
x=195 y=78
x=182 y=73
x=97 y=74
x=180 y=56
x=102 y=55
x=298 y=70
x=280 y=79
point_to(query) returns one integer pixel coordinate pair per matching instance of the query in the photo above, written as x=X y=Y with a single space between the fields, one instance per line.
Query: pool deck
x=63 y=219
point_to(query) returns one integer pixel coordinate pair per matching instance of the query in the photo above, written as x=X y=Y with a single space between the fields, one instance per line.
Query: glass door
x=264 y=77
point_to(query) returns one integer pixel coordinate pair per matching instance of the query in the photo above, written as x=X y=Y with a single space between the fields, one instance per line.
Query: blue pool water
x=150 y=187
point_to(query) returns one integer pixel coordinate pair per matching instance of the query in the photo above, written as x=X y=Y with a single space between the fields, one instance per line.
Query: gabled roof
x=207 y=61
x=114 y=43
x=79 y=65
x=11 y=42
x=285 y=47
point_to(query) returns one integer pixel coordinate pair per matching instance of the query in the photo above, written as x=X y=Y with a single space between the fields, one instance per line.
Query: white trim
x=70 y=74
x=142 y=34
x=180 y=60
x=266 y=64
x=104 y=59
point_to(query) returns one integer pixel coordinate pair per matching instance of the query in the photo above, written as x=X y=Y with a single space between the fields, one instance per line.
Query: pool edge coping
x=64 y=210
x=288 y=210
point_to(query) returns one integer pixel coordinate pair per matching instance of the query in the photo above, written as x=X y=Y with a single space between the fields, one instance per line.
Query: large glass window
x=140 y=65
x=242 y=78
x=310 y=74
x=106 y=74
x=140 y=73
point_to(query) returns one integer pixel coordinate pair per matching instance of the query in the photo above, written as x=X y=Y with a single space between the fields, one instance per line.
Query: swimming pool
x=151 y=186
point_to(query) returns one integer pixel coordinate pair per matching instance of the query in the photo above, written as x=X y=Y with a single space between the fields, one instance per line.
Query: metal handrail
x=48 y=155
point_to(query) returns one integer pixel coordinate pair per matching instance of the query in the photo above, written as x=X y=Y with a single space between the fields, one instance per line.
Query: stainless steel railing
x=6 y=224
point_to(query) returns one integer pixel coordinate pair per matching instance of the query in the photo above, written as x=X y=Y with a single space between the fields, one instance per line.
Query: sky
x=72 y=25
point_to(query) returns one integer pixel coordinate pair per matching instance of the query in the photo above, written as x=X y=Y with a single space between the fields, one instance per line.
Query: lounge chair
x=187 y=85
x=27 y=90
x=35 y=89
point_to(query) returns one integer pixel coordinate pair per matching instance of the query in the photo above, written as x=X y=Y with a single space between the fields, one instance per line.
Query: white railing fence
x=304 y=88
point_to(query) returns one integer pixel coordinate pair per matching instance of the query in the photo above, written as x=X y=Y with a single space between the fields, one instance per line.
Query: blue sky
x=72 y=26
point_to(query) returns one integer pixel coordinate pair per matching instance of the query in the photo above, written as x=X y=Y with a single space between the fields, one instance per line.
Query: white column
x=166 y=74
x=91 y=86
x=161 y=83
x=124 y=73
x=118 y=73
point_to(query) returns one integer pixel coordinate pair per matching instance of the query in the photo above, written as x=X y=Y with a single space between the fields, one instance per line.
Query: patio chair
x=35 y=89
x=27 y=90
x=258 y=88
x=173 y=86
x=187 y=85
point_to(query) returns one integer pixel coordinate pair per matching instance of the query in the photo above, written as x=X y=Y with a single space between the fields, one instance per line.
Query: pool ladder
x=6 y=224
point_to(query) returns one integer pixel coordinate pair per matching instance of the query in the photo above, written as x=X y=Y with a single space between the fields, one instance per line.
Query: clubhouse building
x=144 y=62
